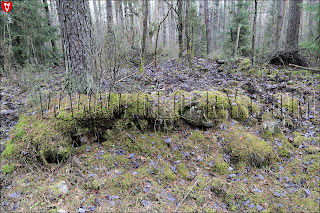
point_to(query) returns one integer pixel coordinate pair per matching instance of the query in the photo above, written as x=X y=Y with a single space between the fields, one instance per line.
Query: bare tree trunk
x=279 y=24
x=224 y=14
x=187 y=31
x=237 y=41
x=110 y=14
x=180 y=28
x=164 y=35
x=200 y=31
x=293 y=24
x=173 y=26
x=144 y=34
x=254 y=32
x=75 y=24
x=208 y=28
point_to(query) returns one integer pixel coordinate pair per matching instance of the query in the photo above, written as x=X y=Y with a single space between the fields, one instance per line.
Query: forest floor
x=186 y=170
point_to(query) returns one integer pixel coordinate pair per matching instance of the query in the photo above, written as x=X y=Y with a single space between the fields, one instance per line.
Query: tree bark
x=237 y=41
x=110 y=14
x=180 y=28
x=164 y=35
x=187 y=31
x=75 y=24
x=200 y=31
x=254 y=32
x=293 y=24
x=279 y=24
x=144 y=34
x=208 y=28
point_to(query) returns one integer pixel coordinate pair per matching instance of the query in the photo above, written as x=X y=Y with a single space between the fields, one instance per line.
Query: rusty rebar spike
x=308 y=110
x=78 y=100
x=48 y=108
x=59 y=101
x=174 y=106
x=207 y=104
x=41 y=105
x=138 y=103
x=119 y=102
x=292 y=105
x=71 y=104
x=158 y=103
x=281 y=107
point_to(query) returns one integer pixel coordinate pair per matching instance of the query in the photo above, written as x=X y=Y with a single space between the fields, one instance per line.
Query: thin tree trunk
x=208 y=28
x=110 y=14
x=180 y=28
x=200 y=31
x=164 y=35
x=187 y=31
x=237 y=41
x=144 y=34
x=254 y=32
x=173 y=26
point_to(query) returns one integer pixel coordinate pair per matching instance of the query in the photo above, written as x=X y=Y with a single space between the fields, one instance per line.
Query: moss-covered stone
x=219 y=166
x=248 y=148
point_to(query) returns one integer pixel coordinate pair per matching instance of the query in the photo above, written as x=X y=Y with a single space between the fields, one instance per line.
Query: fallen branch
x=305 y=68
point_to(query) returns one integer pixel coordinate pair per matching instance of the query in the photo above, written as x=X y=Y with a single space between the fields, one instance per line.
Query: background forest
x=125 y=32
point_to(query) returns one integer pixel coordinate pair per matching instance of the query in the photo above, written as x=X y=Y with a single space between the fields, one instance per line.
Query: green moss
x=7 y=169
x=248 y=148
x=219 y=166
x=312 y=150
x=283 y=152
x=287 y=102
x=168 y=173
x=219 y=187
x=92 y=184
x=244 y=64
x=299 y=139
x=183 y=172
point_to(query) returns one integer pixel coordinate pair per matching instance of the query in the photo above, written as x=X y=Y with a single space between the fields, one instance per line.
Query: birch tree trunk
x=53 y=42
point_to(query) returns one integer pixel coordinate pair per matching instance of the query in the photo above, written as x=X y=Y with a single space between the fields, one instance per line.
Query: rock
x=62 y=187
x=81 y=210
x=196 y=117
x=260 y=176
x=62 y=211
x=277 y=194
x=259 y=208
x=272 y=126
x=308 y=193
x=251 y=206
x=246 y=202
x=231 y=176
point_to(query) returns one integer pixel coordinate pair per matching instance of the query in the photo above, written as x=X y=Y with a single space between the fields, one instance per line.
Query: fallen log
x=305 y=68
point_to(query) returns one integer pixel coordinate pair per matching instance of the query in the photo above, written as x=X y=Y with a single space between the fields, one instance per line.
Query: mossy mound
x=47 y=132
x=247 y=148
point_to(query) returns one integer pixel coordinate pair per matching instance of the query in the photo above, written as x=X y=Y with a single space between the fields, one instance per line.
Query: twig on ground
x=187 y=194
